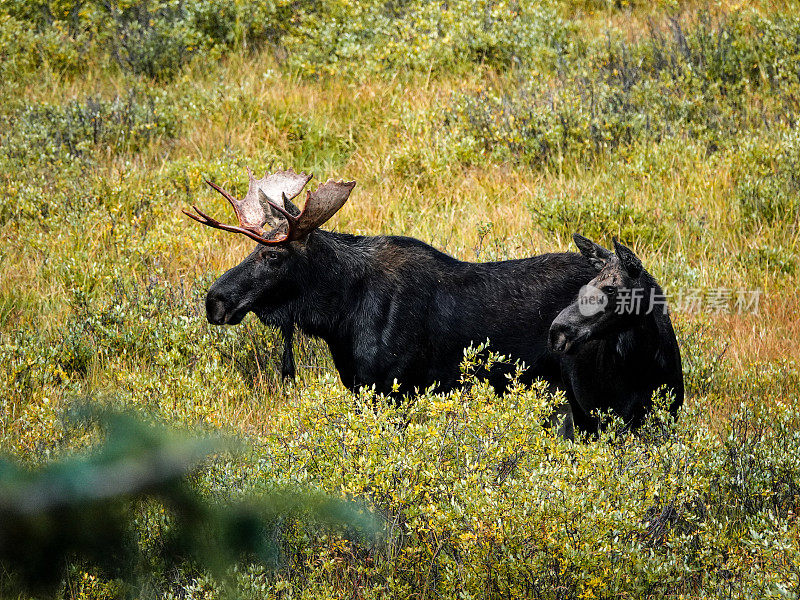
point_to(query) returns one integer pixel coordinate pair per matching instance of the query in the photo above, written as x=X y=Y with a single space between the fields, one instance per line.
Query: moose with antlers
x=396 y=313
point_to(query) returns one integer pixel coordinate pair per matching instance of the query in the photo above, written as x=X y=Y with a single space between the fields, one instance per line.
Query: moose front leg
x=287 y=362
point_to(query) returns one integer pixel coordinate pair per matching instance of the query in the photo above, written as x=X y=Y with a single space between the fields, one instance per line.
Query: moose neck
x=640 y=342
x=637 y=343
x=330 y=289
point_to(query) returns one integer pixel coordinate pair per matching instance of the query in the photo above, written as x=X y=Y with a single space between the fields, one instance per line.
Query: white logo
x=591 y=301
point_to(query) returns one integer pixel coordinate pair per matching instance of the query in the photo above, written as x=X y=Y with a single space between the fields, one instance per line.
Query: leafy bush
x=481 y=500
x=156 y=38
x=23 y=51
x=83 y=510
x=768 y=181
x=79 y=127
x=426 y=36
x=599 y=218
x=692 y=82
x=152 y=38
x=702 y=358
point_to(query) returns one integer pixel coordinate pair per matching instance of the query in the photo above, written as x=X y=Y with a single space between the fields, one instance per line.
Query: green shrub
x=244 y=23
x=79 y=127
x=693 y=81
x=83 y=511
x=702 y=357
x=151 y=38
x=768 y=181
x=481 y=500
x=425 y=36
x=600 y=218
x=23 y=51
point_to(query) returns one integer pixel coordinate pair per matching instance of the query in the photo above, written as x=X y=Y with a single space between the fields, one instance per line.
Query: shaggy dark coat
x=614 y=359
x=396 y=312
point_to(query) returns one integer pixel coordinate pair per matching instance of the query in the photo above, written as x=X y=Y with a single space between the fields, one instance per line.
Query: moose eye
x=273 y=256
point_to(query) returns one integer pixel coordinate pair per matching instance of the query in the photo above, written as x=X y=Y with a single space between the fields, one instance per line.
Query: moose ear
x=596 y=254
x=628 y=259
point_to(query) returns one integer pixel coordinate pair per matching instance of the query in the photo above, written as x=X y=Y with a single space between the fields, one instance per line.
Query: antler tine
x=192 y=216
x=230 y=198
x=227 y=195
x=211 y=222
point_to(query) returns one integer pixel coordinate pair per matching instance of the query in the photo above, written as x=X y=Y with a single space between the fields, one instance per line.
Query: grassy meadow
x=490 y=129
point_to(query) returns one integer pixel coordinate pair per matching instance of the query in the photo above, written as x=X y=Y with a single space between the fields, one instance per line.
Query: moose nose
x=215 y=310
x=559 y=337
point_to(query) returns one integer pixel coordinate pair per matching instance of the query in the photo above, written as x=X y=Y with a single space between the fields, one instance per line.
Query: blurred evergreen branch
x=83 y=510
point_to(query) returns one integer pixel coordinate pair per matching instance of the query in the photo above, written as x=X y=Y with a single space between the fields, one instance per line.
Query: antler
x=266 y=202
x=320 y=206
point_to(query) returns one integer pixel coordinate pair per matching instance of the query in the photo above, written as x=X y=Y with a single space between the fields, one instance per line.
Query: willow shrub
x=377 y=36
x=482 y=499
x=150 y=38
x=123 y=124
x=156 y=38
x=701 y=79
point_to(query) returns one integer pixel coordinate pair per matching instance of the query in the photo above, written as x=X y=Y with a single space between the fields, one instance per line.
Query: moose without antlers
x=396 y=313
x=617 y=341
